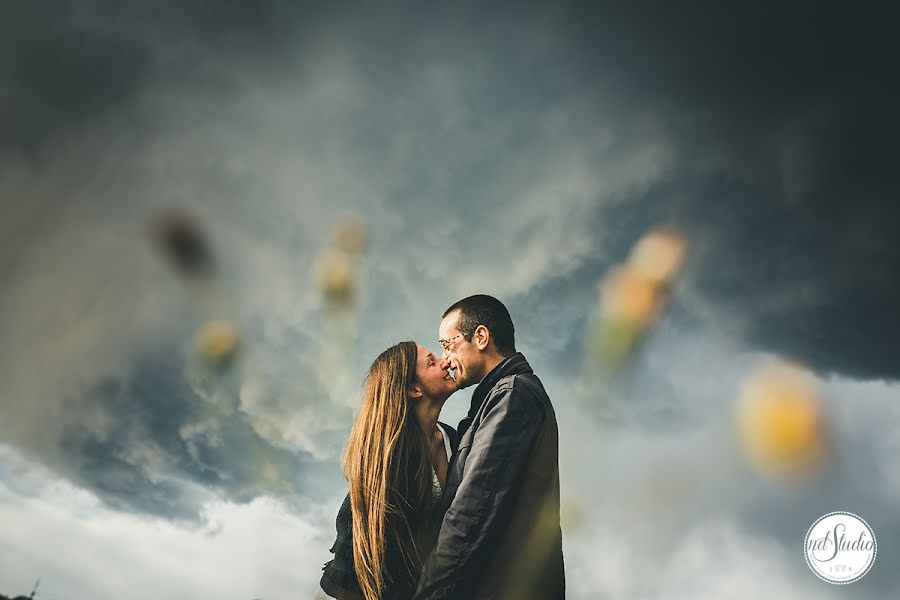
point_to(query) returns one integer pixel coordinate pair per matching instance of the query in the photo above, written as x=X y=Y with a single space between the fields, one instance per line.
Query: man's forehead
x=449 y=322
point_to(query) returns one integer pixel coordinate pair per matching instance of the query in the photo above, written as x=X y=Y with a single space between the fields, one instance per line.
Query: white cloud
x=712 y=558
x=81 y=549
x=666 y=507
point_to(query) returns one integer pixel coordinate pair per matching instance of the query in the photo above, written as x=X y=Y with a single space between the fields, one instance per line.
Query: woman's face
x=433 y=379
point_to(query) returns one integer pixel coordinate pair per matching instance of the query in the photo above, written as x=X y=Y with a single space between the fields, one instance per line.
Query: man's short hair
x=482 y=309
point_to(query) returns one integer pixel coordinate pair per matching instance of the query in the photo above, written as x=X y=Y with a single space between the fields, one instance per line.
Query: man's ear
x=415 y=392
x=482 y=337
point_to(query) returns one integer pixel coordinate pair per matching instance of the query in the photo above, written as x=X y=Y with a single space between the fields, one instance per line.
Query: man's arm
x=482 y=504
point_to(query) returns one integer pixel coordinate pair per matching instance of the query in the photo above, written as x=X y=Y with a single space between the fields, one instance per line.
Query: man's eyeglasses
x=446 y=344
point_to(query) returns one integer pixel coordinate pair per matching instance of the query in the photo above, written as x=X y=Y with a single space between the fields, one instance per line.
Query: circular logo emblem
x=840 y=547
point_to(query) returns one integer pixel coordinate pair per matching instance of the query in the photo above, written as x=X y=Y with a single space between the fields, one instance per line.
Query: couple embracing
x=437 y=513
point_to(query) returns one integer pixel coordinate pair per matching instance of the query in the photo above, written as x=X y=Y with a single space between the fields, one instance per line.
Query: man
x=500 y=537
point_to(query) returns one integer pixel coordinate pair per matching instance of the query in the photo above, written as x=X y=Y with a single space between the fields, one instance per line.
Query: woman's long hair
x=388 y=468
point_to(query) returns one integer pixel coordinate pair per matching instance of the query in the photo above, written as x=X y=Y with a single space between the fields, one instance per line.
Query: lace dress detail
x=436 y=491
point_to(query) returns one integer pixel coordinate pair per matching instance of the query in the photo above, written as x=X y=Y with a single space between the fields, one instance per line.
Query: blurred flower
x=350 y=235
x=182 y=242
x=572 y=516
x=632 y=297
x=339 y=273
x=659 y=255
x=217 y=341
x=333 y=274
x=781 y=423
x=628 y=297
x=533 y=567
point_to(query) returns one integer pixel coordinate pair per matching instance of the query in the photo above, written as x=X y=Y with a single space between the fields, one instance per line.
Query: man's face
x=432 y=376
x=460 y=354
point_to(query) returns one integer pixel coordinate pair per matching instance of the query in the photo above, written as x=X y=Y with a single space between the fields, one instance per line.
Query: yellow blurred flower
x=217 y=340
x=659 y=255
x=333 y=273
x=350 y=235
x=628 y=297
x=780 y=421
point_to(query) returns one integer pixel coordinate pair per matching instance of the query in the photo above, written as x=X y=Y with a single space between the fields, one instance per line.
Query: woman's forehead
x=424 y=353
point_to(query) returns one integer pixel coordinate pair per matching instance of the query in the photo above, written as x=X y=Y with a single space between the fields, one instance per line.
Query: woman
x=396 y=466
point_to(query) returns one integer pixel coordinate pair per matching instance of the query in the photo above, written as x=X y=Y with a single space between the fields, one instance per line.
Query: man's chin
x=462 y=382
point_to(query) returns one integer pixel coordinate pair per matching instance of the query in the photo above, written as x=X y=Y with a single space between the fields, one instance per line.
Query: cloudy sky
x=518 y=151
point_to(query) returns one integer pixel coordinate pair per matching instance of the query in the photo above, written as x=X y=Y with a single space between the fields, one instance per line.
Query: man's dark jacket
x=500 y=537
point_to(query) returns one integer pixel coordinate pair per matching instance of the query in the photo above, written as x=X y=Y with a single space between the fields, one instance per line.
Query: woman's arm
x=338 y=576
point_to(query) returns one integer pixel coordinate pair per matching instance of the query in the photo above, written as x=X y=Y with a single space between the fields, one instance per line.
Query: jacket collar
x=511 y=365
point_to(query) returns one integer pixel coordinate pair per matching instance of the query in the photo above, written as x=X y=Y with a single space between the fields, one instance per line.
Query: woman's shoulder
x=452 y=434
x=448 y=428
x=344 y=521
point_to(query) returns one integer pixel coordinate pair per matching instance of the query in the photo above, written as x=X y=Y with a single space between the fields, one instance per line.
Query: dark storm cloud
x=782 y=115
x=59 y=75
x=785 y=121
x=784 y=129
x=66 y=66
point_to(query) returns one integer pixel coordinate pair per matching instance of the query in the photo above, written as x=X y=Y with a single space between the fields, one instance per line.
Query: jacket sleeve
x=338 y=575
x=483 y=501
